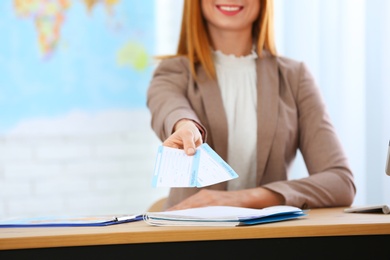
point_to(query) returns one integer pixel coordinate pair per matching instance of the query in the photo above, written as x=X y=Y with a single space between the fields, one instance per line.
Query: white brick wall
x=78 y=173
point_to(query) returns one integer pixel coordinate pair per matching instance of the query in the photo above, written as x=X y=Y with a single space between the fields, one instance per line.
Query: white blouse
x=237 y=80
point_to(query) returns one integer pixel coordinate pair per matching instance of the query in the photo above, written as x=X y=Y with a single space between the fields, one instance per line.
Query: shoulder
x=287 y=70
x=293 y=76
x=294 y=71
x=291 y=67
x=287 y=63
x=178 y=64
x=173 y=71
x=284 y=65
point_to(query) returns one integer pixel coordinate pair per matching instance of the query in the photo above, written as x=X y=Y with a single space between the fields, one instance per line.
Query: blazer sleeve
x=167 y=96
x=330 y=182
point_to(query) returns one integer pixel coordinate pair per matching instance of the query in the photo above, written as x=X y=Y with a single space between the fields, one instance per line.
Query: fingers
x=192 y=139
x=186 y=136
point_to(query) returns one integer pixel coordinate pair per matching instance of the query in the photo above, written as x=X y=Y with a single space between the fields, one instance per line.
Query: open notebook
x=223 y=216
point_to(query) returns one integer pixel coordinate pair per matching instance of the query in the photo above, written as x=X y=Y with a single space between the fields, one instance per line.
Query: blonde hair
x=194 y=41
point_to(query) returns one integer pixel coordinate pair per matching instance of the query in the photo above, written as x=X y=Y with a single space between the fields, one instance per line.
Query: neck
x=238 y=43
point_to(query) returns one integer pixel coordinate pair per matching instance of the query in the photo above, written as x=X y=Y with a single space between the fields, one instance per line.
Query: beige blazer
x=291 y=116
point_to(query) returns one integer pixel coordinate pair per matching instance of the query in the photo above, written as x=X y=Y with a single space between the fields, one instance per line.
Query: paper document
x=174 y=168
x=223 y=216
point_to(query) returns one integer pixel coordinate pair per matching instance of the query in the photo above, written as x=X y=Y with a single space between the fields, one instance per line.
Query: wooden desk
x=323 y=233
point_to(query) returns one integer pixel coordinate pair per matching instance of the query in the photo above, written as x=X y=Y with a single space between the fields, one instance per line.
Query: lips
x=230 y=9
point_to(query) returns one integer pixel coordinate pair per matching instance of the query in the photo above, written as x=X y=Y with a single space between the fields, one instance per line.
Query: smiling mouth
x=229 y=9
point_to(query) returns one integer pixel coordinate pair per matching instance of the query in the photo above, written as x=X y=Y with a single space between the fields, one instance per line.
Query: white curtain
x=346 y=45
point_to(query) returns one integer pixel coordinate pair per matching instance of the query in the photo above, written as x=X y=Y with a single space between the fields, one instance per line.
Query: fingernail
x=190 y=151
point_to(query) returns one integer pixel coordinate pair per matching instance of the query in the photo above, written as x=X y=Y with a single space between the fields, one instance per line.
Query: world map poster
x=73 y=62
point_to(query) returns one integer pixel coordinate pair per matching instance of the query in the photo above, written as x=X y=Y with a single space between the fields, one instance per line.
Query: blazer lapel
x=215 y=112
x=267 y=109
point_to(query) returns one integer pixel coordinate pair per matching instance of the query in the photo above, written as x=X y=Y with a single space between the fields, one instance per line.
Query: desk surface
x=318 y=223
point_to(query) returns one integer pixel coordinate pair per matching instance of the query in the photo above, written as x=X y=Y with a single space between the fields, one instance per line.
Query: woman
x=228 y=87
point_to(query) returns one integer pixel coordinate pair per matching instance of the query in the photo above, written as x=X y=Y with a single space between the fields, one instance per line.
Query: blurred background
x=75 y=134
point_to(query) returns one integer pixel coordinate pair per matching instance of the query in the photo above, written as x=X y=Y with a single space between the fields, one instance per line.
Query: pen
x=388 y=161
x=129 y=218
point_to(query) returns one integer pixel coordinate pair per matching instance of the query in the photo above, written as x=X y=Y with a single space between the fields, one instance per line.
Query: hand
x=186 y=136
x=250 y=198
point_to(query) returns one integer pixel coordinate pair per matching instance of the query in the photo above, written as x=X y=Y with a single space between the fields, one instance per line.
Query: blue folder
x=69 y=221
